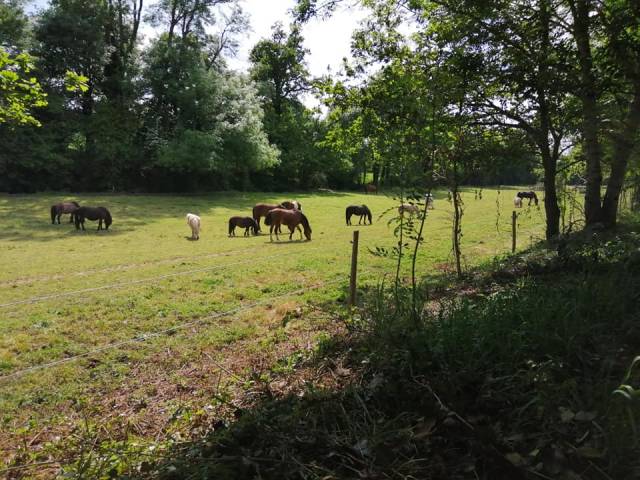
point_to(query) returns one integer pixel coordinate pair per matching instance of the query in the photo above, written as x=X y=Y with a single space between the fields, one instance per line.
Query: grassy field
x=137 y=329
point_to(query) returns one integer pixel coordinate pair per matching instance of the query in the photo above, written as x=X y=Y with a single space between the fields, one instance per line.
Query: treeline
x=166 y=115
x=461 y=89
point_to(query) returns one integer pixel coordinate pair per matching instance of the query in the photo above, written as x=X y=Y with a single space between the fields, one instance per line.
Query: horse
x=429 y=199
x=517 y=202
x=194 y=222
x=60 y=208
x=291 y=205
x=247 y=223
x=261 y=209
x=93 y=213
x=410 y=208
x=290 y=218
x=361 y=210
x=370 y=188
x=530 y=195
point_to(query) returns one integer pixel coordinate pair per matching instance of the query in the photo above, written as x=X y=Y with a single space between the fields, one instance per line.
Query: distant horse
x=247 y=223
x=93 y=213
x=370 y=188
x=194 y=222
x=429 y=199
x=291 y=205
x=409 y=208
x=261 y=209
x=361 y=210
x=530 y=195
x=291 y=218
x=517 y=202
x=60 y=208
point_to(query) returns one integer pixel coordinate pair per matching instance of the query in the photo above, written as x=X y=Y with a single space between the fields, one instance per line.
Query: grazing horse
x=517 y=202
x=194 y=222
x=530 y=195
x=60 y=208
x=93 y=213
x=361 y=210
x=261 y=209
x=370 y=188
x=410 y=208
x=247 y=223
x=291 y=218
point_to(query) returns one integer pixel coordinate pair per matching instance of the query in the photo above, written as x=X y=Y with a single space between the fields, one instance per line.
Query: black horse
x=529 y=195
x=247 y=223
x=93 y=213
x=65 y=207
x=361 y=210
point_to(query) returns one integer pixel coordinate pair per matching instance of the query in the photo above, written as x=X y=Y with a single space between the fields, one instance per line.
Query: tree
x=20 y=92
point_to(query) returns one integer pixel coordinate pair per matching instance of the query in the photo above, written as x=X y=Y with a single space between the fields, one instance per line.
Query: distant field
x=140 y=308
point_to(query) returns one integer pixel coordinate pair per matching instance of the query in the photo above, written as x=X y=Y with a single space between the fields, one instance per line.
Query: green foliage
x=20 y=92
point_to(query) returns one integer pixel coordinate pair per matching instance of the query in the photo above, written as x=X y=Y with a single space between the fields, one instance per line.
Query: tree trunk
x=622 y=149
x=590 y=121
x=551 y=208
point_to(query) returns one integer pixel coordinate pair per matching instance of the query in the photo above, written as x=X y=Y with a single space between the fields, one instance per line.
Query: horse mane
x=304 y=221
x=107 y=216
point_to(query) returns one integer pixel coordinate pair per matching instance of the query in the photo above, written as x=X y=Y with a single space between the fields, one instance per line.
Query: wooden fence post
x=514 y=217
x=354 y=269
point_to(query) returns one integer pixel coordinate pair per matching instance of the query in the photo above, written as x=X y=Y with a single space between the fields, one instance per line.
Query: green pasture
x=67 y=293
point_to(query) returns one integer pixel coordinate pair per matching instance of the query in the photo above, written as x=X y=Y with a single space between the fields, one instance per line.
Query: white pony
x=194 y=222
x=429 y=198
x=517 y=202
x=410 y=208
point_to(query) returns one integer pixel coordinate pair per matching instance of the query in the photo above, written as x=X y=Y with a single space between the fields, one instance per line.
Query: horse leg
x=271 y=233
x=246 y=231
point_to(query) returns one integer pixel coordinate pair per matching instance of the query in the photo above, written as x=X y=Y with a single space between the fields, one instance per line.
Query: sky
x=328 y=41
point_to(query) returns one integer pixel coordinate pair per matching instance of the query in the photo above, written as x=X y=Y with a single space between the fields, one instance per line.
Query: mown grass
x=147 y=241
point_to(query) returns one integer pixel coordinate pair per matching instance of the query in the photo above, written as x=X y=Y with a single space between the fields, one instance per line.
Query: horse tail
x=368 y=214
x=346 y=216
x=53 y=213
x=231 y=226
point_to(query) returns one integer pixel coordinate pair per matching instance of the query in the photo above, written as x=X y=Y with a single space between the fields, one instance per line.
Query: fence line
x=139 y=281
x=146 y=336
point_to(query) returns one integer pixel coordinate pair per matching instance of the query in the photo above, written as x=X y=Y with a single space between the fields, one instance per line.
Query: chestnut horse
x=245 y=222
x=261 y=209
x=60 y=208
x=291 y=218
x=370 y=188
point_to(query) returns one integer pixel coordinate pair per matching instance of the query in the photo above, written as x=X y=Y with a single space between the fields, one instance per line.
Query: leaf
x=590 y=452
x=515 y=458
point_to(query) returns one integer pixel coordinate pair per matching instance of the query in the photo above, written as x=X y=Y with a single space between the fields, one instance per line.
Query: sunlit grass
x=145 y=276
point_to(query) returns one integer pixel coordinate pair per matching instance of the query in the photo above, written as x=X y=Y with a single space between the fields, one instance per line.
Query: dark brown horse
x=261 y=209
x=370 y=188
x=93 y=213
x=247 y=223
x=291 y=218
x=530 y=195
x=61 y=208
x=361 y=210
